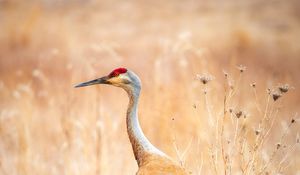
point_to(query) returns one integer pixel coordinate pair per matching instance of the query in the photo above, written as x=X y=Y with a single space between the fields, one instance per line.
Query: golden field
x=49 y=128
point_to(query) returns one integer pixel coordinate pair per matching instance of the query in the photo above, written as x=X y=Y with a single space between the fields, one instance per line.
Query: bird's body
x=151 y=161
x=159 y=165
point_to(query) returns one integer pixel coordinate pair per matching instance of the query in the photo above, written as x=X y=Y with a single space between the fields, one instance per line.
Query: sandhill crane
x=150 y=160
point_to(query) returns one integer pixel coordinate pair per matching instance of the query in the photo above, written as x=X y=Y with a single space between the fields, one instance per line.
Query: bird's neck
x=140 y=144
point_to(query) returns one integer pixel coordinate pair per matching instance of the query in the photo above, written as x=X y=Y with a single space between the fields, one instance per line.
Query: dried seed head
x=278 y=145
x=284 y=88
x=293 y=120
x=279 y=91
x=205 y=78
x=269 y=91
x=194 y=106
x=276 y=95
x=230 y=83
x=253 y=85
x=238 y=114
x=246 y=114
x=241 y=68
x=226 y=156
x=225 y=73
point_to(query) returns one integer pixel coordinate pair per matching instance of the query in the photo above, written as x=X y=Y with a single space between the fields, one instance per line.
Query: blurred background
x=48 y=46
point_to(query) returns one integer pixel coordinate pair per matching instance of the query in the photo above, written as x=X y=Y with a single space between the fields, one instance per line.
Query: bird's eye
x=126 y=81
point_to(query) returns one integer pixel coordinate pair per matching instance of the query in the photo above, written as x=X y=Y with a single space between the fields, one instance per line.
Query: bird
x=150 y=160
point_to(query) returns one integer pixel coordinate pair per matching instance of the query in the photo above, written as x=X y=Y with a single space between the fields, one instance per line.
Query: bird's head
x=120 y=77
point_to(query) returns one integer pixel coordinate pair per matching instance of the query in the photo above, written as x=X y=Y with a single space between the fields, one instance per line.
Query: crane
x=150 y=160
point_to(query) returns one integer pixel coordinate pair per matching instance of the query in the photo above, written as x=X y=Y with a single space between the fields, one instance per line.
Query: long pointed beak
x=102 y=80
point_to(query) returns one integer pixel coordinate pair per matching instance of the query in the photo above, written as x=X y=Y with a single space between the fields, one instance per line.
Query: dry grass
x=229 y=125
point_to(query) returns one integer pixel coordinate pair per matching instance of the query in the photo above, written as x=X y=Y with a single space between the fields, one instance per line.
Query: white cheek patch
x=124 y=78
x=115 y=80
x=121 y=79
